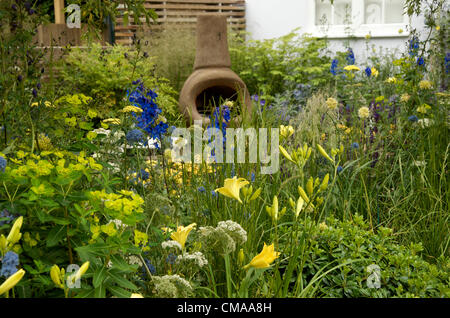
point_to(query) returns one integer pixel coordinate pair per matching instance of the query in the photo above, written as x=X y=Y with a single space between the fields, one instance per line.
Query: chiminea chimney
x=212 y=80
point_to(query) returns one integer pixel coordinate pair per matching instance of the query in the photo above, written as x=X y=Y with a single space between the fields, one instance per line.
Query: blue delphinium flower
x=213 y=194
x=148 y=120
x=150 y=267
x=414 y=46
x=350 y=57
x=339 y=169
x=9 y=264
x=134 y=136
x=3 y=163
x=6 y=216
x=420 y=61
x=144 y=175
x=413 y=118
x=447 y=62
x=368 y=71
x=334 y=65
x=201 y=189
x=355 y=145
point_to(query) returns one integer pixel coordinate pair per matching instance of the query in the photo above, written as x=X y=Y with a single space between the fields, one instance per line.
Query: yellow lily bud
x=292 y=203
x=81 y=271
x=15 y=235
x=303 y=194
x=324 y=153
x=310 y=186
x=55 y=275
x=11 y=281
x=241 y=257
x=256 y=194
x=299 y=207
x=286 y=154
x=324 y=184
x=3 y=244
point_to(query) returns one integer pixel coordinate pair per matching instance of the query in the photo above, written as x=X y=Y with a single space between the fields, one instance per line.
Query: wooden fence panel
x=183 y=13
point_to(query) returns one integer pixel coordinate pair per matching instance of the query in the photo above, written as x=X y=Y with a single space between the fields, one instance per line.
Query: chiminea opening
x=212 y=81
x=213 y=97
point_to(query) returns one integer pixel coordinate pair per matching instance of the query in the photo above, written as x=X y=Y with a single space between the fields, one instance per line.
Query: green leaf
x=119 y=279
x=119 y=292
x=119 y=263
x=99 y=276
x=86 y=293
x=100 y=291
x=55 y=235
x=92 y=251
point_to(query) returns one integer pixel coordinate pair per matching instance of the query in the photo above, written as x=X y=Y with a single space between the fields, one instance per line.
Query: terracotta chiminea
x=212 y=80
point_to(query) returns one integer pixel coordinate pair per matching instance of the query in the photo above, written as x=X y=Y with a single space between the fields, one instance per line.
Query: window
x=380 y=18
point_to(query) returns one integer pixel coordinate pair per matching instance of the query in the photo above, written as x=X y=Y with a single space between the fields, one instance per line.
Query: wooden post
x=59 y=11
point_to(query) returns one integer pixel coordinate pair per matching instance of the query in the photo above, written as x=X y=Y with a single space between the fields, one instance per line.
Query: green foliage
x=265 y=66
x=105 y=74
x=403 y=272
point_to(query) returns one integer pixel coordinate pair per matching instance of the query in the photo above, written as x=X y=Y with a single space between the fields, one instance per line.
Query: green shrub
x=105 y=74
x=403 y=272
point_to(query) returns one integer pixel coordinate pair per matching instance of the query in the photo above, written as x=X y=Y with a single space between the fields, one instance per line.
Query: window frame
x=357 y=28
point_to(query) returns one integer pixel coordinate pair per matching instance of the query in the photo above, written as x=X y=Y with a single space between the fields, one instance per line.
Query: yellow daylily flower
x=352 y=68
x=182 y=233
x=231 y=187
x=136 y=296
x=11 y=281
x=265 y=258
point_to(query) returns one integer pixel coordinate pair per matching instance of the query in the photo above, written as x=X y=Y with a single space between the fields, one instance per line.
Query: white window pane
x=323 y=12
x=342 y=12
x=393 y=11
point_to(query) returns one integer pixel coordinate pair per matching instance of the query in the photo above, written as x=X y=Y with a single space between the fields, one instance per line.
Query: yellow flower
x=182 y=233
x=91 y=135
x=425 y=84
x=285 y=153
x=44 y=142
x=438 y=27
x=299 y=206
x=11 y=281
x=229 y=104
x=374 y=72
x=286 y=131
x=400 y=31
x=423 y=108
x=265 y=258
x=332 y=103
x=57 y=276
x=131 y=108
x=379 y=99
x=35 y=104
x=405 y=97
x=232 y=187
x=363 y=112
x=323 y=226
x=48 y=104
x=391 y=80
x=368 y=36
x=113 y=121
x=352 y=68
x=80 y=272
x=136 y=296
x=92 y=113
x=72 y=121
